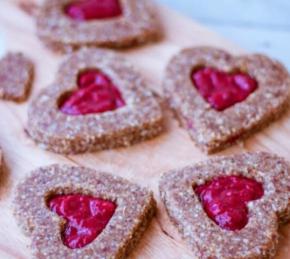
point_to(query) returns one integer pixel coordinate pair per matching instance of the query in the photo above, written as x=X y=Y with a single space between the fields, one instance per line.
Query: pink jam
x=84 y=10
x=85 y=216
x=222 y=90
x=225 y=199
x=96 y=94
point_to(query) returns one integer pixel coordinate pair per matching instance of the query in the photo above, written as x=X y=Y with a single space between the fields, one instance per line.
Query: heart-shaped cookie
x=220 y=99
x=76 y=212
x=98 y=101
x=65 y=24
x=16 y=75
x=230 y=207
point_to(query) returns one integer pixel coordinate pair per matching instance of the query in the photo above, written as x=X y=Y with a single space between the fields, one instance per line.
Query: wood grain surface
x=142 y=163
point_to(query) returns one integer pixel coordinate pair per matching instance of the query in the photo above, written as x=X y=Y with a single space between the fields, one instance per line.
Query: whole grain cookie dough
x=65 y=25
x=76 y=212
x=16 y=75
x=98 y=101
x=221 y=99
x=230 y=207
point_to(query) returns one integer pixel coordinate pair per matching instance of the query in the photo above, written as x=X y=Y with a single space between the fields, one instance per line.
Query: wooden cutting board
x=142 y=163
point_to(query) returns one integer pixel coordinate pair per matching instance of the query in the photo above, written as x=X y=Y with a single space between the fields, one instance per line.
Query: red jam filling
x=85 y=216
x=225 y=198
x=84 y=10
x=222 y=90
x=96 y=94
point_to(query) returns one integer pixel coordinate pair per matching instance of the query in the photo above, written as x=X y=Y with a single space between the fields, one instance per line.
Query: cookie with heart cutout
x=65 y=25
x=230 y=207
x=76 y=212
x=16 y=75
x=98 y=101
x=221 y=99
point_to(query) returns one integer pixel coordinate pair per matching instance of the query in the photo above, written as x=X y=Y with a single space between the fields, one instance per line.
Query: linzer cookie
x=230 y=207
x=65 y=25
x=76 y=212
x=16 y=75
x=220 y=99
x=98 y=101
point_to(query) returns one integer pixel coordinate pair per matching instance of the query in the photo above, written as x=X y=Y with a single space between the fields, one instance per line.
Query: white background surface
x=256 y=25
x=2 y=43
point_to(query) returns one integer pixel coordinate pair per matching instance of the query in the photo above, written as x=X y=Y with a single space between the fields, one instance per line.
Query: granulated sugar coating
x=214 y=130
x=259 y=238
x=137 y=24
x=16 y=75
x=135 y=209
x=140 y=119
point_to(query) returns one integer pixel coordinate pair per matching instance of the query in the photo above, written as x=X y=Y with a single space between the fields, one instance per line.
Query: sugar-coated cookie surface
x=135 y=208
x=16 y=75
x=220 y=98
x=259 y=237
x=137 y=118
x=64 y=27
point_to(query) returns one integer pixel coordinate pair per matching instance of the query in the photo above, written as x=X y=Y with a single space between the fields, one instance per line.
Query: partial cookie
x=98 y=101
x=76 y=212
x=65 y=25
x=230 y=207
x=16 y=75
x=220 y=99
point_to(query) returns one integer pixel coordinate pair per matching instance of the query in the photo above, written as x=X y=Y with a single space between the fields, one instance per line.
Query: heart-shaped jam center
x=84 y=10
x=85 y=216
x=224 y=199
x=96 y=94
x=222 y=90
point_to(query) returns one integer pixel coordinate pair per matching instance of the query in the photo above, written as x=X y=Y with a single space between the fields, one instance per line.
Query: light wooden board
x=142 y=163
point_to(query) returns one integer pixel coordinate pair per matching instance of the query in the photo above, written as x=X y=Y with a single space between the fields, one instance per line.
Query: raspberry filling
x=96 y=94
x=225 y=198
x=85 y=216
x=222 y=90
x=84 y=10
